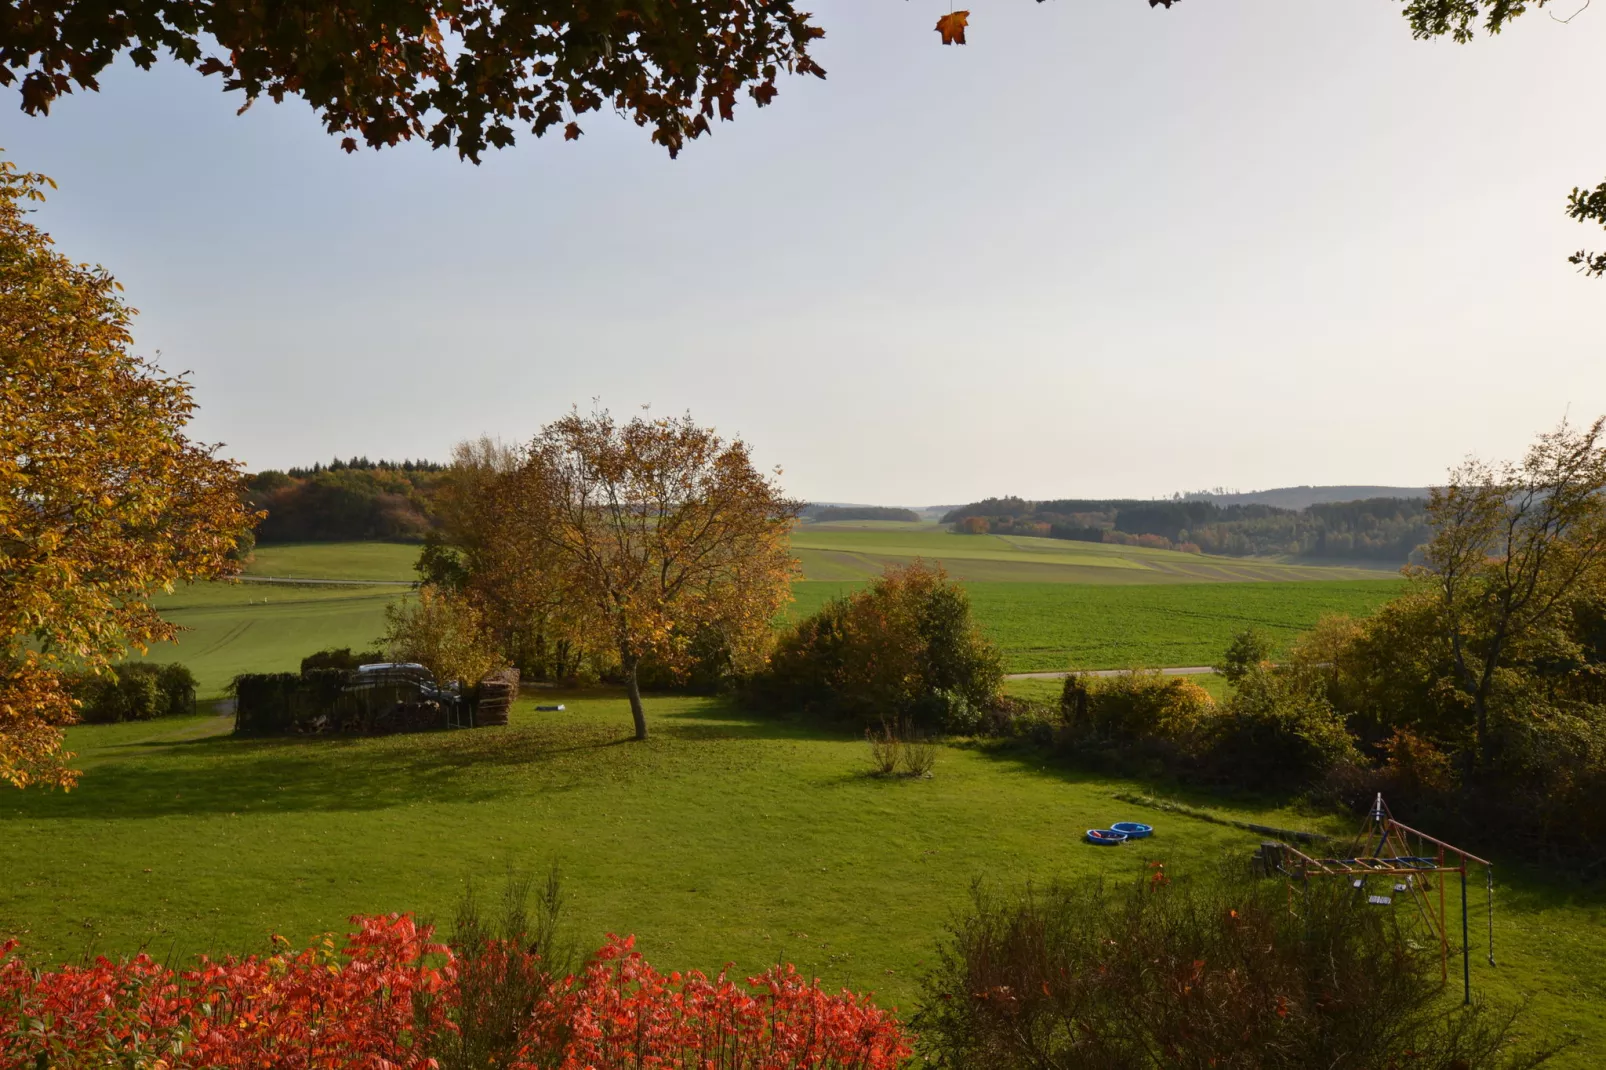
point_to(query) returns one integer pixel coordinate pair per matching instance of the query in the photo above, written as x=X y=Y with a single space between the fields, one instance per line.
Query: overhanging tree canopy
x=471 y=73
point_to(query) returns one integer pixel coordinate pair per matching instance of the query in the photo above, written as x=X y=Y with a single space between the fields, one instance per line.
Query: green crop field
x=1046 y=626
x=857 y=552
x=724 y=838
x=1142 y=607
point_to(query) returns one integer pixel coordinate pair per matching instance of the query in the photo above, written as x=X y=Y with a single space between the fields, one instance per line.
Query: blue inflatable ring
x=1132 y=830
x=1106 y=837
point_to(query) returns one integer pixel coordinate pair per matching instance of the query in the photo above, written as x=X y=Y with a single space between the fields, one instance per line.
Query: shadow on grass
x=183 y=774
x=1521 y=883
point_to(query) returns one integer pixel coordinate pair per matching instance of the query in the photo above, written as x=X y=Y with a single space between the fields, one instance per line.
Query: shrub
x=887 y=653
x=443 y=632
x=1276 y=734
x=339 y=658
x=884 y=750
x=504 y=967
x=1249 y=649
x=135 y=691
x=1221 y=973
x=392 y=997
x=1140 y=706
x=918 y=757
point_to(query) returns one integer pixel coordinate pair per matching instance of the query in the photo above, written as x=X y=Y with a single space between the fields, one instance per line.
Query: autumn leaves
x=952 y=27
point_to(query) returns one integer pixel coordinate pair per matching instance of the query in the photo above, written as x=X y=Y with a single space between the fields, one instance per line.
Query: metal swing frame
x=1385 y=847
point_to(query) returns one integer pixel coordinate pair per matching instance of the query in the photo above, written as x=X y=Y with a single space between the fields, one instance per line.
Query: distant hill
x=1301 y=497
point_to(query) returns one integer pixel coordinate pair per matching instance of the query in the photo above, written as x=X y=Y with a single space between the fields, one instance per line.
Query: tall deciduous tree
x=652 y=530
x=1514 y=546
x=103 y=499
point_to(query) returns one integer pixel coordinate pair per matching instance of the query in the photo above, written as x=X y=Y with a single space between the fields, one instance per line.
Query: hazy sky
x=1101 y=250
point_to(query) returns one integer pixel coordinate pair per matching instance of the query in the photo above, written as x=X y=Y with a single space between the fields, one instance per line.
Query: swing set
x=1411 y=865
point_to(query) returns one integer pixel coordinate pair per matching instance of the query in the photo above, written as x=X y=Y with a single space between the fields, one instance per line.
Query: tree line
x=1374 y=529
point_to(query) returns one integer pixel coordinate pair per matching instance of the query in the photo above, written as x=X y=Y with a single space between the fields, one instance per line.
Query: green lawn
x=724 y=838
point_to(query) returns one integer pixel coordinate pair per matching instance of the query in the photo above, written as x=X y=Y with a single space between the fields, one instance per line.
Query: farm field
x=260 y=627
x=724 y=838
x=1053 y=626
x=388 y=561
x=1127 y=618
x=858 y=552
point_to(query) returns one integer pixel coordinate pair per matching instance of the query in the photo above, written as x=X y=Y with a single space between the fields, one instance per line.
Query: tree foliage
x=1514 y=546
x=443 y=631
x=103 y=499
x=463 y=73
x=906 y=648
x=627 y=540
x=345 y=502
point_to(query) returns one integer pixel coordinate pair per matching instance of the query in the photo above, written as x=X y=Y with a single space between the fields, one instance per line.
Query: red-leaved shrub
x=386 y=998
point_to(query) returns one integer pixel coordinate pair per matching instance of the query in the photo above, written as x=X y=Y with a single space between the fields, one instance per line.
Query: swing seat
x=1132 y=830
x=1106 y=837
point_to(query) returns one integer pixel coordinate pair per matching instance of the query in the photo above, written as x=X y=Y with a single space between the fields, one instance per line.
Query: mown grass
x=257 y=627
x=391 y=561
x=724 y=838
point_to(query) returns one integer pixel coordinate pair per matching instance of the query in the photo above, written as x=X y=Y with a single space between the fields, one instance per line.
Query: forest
x=1373 y=529
x=345 y=500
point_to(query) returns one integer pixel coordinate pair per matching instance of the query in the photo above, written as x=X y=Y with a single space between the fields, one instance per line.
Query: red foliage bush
x=381 y=1001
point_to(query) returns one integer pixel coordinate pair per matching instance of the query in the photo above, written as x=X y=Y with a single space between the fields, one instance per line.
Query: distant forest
x=1373 y=529
x=825 y=513
x=346 y=500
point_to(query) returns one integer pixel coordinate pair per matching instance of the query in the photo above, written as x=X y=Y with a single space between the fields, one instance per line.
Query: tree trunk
x=630 y=662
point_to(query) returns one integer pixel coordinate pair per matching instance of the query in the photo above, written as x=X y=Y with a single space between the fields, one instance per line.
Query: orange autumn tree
x=649 y=532
x=103 y=499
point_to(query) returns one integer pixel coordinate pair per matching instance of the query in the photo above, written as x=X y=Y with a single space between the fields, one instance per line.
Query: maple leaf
x=572 y=132
x=952 y=27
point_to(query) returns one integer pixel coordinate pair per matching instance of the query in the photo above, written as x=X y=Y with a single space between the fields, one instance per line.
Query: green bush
x=339 y=658
x=905 y=649
x=1133 y=707
x=1275 y=733
x=1218 y=973
x=135 y=691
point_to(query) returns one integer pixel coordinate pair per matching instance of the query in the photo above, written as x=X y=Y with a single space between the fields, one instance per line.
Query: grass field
x=251 y=627
x=858 y=552
x=722 y=838
x=1048 y=626
x=1141 y=607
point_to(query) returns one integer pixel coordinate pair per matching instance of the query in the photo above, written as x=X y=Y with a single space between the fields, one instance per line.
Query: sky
x=1101 y=250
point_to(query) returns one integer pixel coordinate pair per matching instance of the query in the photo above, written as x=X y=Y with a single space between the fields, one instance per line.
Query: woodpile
x=494 y=697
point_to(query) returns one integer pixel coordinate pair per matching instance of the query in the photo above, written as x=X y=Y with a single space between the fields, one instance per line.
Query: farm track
x=1183 y=670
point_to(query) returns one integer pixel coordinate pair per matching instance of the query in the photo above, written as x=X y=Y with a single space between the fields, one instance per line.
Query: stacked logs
x=495 y=696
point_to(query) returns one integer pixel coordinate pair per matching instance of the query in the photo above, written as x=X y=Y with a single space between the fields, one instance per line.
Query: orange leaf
x=952 y=27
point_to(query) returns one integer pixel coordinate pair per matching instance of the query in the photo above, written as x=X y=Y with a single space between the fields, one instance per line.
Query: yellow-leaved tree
x=103 y=499
x=648 y=534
